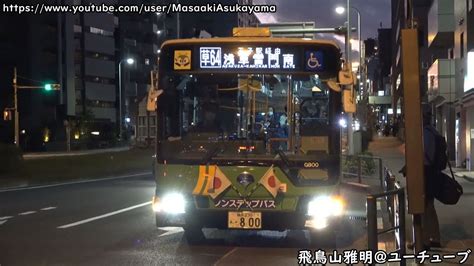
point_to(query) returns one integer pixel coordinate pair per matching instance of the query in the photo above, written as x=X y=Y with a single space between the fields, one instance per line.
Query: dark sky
x=373 y=13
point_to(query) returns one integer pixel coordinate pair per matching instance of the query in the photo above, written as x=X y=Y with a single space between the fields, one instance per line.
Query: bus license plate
x=245 y=220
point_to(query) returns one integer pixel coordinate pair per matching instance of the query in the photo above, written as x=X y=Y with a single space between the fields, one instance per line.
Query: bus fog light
x=317 y=223
x=156 y=204
x=320 y=223
x=173 y=203
x=325 y=206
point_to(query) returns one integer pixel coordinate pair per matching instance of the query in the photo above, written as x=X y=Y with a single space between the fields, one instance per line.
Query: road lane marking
x=225 y=256
x=379 y=206
x=75 y=182
x=103 y=216
x=27 y=213
x=170 y=230
x=48 y=208
x=2 y=222
x=5 y=218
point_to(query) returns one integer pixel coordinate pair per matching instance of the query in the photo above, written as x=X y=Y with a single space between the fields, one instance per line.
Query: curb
x=357 y=186
x=468 y=178
x=461 y=175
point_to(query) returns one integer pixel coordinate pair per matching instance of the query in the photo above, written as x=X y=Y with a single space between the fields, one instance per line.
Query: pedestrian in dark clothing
x=431 y=234
x=430 y=223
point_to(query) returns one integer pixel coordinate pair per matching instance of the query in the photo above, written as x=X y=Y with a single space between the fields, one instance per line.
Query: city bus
x=248 y=135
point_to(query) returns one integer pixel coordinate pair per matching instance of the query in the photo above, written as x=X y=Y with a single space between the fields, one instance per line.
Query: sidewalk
x=457 y=232
x=462 y=173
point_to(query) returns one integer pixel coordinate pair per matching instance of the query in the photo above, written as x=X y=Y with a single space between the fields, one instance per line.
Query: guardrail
x=395 y=198
x=362 y=169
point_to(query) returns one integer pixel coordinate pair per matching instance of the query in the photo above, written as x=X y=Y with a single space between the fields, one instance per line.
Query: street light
x=340 y=10
x=129 y=61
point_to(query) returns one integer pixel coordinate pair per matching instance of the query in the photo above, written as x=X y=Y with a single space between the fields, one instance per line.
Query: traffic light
x=52 y=87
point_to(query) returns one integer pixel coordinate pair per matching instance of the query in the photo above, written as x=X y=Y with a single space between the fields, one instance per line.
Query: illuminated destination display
x=252 y=58
x=246 y=58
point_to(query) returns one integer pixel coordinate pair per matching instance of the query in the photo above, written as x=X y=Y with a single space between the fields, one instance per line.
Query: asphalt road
x=111 y=223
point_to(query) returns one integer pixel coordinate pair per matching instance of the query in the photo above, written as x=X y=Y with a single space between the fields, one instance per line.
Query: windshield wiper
x=284 y=159
x=209 y=155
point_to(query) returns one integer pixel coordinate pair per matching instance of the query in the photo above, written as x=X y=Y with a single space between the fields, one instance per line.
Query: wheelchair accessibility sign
x=314 y=60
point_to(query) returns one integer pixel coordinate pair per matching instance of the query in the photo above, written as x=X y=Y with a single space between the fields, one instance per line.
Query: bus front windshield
x=233 y=116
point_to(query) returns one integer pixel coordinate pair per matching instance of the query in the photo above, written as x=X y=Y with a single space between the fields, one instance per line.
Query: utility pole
x=120 y=100
x=414 y=133
x=349 y=65
x=17 y=119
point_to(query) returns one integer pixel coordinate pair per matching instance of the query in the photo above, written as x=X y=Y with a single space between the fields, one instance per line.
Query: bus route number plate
x=245 y=220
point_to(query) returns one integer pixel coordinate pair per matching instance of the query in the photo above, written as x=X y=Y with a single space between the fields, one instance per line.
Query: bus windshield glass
x=252 y=114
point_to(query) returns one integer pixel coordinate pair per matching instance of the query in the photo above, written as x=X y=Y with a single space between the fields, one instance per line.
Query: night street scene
x=236 y=132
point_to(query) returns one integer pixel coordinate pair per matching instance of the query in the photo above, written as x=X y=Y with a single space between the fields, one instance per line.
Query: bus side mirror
x=333 y=85
x=153 y=92
x=346 y=77
x=152 y=99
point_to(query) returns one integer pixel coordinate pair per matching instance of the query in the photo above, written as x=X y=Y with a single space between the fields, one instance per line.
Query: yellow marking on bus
x=205 y=180
x=201 y=179
x=209 y=180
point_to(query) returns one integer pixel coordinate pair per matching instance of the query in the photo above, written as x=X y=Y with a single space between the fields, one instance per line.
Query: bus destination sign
x=258 y=57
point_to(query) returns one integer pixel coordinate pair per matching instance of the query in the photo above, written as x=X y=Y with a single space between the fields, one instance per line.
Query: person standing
x=433 y=166
x=432 y=171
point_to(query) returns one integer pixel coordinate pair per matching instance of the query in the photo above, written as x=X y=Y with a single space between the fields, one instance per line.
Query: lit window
x=96 y=30
x=77 y=28
x=101 y=32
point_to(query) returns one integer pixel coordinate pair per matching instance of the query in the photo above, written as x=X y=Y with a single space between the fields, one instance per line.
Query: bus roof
x=248 y=39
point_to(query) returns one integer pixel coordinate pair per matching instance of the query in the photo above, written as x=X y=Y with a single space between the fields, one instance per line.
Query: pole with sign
x=413 y=132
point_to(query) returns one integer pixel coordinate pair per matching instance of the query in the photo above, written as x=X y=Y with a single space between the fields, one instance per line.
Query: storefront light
x=469 y=78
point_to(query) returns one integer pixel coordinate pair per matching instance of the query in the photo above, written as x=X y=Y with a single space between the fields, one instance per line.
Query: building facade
x=463 y=54
x=441 y=74
x=446 y=48
x=75 y=51
x=138 y=37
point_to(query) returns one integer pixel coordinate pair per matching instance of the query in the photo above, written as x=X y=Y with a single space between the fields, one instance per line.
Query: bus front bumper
x=317 y=214
x=219 y=219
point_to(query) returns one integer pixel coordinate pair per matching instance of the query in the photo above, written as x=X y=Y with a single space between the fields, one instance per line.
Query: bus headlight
x=325 y=206
x=172 y=203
